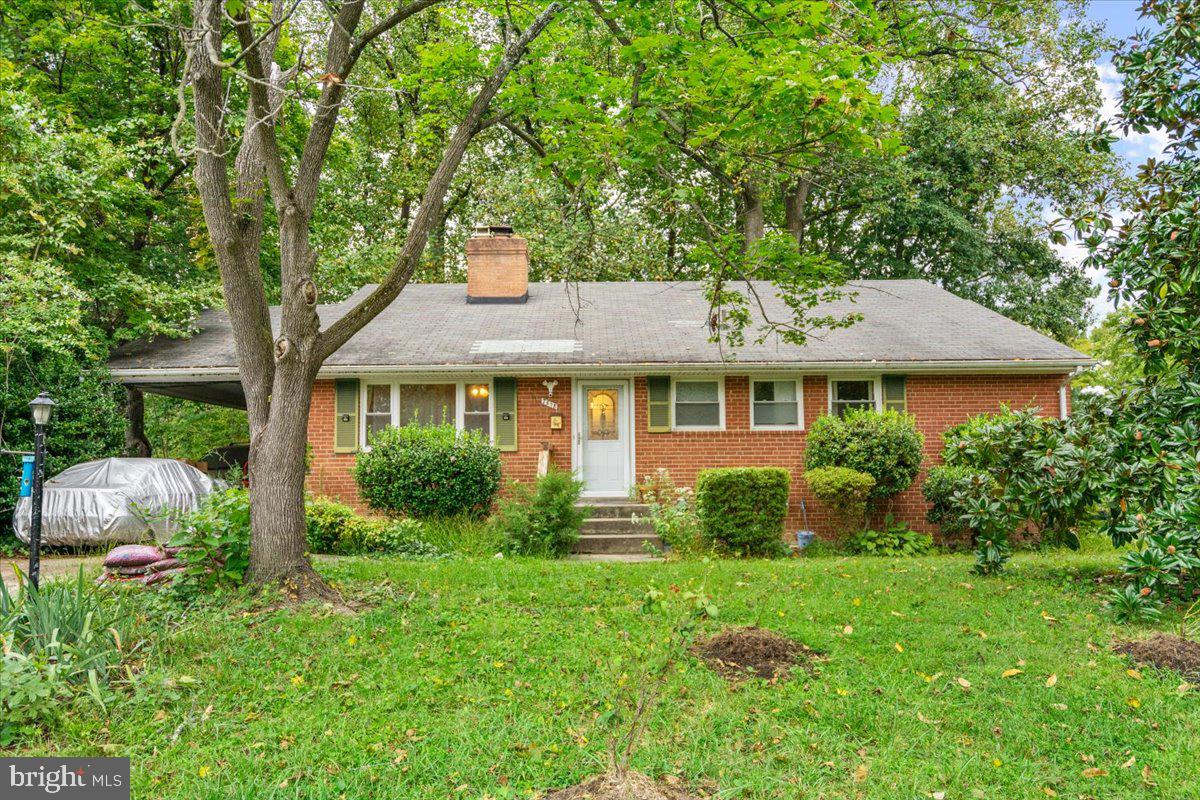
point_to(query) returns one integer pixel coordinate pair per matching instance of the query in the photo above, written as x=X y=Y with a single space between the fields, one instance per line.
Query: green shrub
x=945 y=490
x=57 y=641
x=1025 y=468
x=674 y=516
x=896 y=539
x=845 y=492
x=401 y=537
x=429 y=471
x=326 y=521
x=886 y=445
x=215 y=543
x=743 y=508
x=543 y=519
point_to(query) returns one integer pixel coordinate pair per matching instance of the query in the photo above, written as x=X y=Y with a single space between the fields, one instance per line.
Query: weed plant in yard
x=484 y=678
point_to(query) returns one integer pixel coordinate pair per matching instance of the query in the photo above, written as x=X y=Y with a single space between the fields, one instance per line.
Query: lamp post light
x=41 y=406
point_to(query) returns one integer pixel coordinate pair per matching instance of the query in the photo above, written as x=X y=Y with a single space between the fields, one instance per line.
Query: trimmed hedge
x=845 y=491
x=884 y=444
x=743 y=508
x=429 y=471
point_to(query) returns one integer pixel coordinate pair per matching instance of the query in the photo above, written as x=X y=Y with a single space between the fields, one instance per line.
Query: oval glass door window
x=602 y=415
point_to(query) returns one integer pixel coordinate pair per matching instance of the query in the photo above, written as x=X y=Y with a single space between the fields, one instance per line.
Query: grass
x=479 y=678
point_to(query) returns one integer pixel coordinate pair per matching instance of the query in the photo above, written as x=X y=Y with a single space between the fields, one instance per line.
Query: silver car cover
x=115 y=501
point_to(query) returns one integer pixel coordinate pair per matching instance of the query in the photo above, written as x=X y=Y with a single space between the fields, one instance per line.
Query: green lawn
x=479 y=678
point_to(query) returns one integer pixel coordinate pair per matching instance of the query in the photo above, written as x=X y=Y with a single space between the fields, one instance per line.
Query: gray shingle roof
x=431 y=326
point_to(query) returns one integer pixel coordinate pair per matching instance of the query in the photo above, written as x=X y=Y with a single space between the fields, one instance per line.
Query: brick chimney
x=497 y=266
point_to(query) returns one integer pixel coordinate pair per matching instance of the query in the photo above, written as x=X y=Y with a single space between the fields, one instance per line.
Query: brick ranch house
x=616 y=380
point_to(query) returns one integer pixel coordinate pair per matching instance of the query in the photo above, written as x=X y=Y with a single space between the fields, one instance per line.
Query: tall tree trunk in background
x=752 y=215
x=278 y=367
x=136 y=443
x=795 y=207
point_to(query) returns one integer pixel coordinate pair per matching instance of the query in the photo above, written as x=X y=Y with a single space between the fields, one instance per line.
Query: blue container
x=804 y=539
x=26 y=476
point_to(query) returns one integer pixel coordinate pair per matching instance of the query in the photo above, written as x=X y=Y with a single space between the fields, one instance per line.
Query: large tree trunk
x=136 y=443
x=795 y=206
x=753 y=217
x=277 y=496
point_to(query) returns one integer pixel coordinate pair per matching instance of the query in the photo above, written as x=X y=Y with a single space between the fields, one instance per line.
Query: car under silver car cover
x=115 y=501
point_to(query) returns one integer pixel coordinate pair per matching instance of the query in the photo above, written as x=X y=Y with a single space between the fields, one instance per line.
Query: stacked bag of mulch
x=146 y=563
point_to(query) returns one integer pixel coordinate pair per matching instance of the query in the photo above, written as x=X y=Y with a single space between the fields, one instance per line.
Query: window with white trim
x=428 y=404
x=465 y=405
x=698 y=404
x=776 y=404
x=477 y=408
x=854 y=393
x=378 y=407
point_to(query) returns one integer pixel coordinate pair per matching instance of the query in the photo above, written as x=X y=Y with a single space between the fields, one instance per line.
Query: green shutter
x=345 y=416
x=658 y=403
x=895 y=397
x=504 y=409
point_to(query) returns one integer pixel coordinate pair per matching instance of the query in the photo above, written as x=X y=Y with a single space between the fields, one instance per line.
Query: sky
x=1120 y=20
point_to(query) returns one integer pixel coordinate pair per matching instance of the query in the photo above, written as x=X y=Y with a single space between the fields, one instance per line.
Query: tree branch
x=430 y=209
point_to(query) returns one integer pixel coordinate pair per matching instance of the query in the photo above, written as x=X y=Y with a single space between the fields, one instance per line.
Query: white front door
x=602 y=425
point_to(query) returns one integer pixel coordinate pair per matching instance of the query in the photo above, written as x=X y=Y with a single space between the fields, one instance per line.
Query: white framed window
x=467 y=405
x=378 y=406
x=477 y=408
x=848 y=393
x=777 y=404
x=698 y=404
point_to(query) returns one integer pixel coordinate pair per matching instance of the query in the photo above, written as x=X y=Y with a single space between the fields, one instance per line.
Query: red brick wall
x=937 y=401
x=329 y=472
x=330 y=475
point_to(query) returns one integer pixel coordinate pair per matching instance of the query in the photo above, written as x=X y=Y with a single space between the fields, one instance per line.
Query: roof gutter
x=213 y=374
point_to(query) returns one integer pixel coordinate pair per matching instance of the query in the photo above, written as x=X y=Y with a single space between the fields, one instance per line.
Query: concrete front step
x=616 y=543
x=608 y=526
x=616 y=528
x=608 y=509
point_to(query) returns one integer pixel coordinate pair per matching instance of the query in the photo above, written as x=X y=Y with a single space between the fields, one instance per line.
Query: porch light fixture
x=480 y=391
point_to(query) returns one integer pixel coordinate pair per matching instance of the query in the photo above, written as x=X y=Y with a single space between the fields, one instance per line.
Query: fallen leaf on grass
x=1133 y=673
x=1133 y=702
x=963 y=682
x=1052 y=680
x=847 y=630
x=899 y=647
x=1146 y=779
x=1095 y=772
x=1009 y=673
x=860 y=774
x=1046 y=790
x=1132 y=760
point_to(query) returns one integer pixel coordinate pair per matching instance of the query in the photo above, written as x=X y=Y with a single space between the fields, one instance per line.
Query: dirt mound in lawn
x=740 y=652
x=630 y=786
x=1165 y=651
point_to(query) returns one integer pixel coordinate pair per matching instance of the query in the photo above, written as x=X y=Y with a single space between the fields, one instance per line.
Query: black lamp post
x=41 y=406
